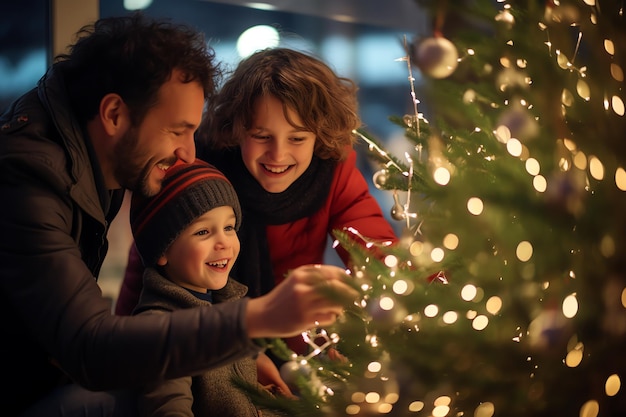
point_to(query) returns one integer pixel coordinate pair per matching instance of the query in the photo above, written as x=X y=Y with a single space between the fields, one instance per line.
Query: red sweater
x=349 y=204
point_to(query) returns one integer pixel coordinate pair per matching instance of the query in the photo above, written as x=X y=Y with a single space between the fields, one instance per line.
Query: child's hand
x=311 y=296
x=334 y=355
x=269 y=376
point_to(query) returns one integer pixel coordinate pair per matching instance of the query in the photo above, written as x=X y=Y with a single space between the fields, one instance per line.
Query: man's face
x=166 y=134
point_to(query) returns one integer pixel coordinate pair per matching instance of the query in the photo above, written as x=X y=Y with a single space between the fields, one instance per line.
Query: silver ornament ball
x=436 y=57
x=380 y=178
x=397 y=210
x=290 y=372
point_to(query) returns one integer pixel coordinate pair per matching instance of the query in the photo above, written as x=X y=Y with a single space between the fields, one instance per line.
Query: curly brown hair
x=134 y=56
x=326 y=103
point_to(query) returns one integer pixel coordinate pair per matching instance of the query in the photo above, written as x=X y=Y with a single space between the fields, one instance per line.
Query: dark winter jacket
x=56 y=325
x=211 y=393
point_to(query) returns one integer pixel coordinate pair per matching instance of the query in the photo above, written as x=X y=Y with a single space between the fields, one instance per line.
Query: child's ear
x=162 y=261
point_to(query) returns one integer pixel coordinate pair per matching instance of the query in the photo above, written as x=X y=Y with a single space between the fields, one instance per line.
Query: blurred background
x=359 y=39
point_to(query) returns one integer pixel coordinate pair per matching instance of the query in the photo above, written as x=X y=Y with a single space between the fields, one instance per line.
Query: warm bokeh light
x=475 y=206
x=618 y=105
x=400 y=287
x=450 y=317
x=583 y=90
x=596 y=168
x=431 y=310
x=540 y=184
x=468 y=292
x=391 y=261
x=570 y=306
x=416 y=406
x=620 y=178
x=532 y=166
x=493 y=305
x=613 y=385
x=486 y=409
x=503 y=133
x=451 y=241
x=386 y=303
x=437 y=254
x=353 y=410
x=616 y=72
x=374 y=367
x=480 y=322
x=441 y=176
x=524 y=251
x=441 y=411
x=416 y=248
x=514 y=147
x=575 y=356
x=580 y=160
x=591 y=408
x=372 y=397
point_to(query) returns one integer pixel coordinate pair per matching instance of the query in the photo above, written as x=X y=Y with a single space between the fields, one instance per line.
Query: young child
x=187 y=238
x=281 y=130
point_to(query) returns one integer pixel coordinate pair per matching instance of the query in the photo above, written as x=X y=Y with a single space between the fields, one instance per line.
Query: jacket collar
x=162 y=294
x=84 y=191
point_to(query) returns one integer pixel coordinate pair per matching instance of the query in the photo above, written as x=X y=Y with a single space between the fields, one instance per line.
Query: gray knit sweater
x=211 y=393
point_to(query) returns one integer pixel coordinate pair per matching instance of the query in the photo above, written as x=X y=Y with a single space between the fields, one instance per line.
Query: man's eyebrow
x=185 y=124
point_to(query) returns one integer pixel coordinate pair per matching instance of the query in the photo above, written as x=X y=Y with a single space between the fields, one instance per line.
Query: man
x=113 y=114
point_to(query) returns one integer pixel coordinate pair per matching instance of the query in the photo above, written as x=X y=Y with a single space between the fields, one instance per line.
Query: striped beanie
x=188 y=191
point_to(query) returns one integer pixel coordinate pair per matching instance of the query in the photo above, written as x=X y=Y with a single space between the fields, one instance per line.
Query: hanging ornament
x=436 y=57
x=292 y=370
x=438 y=277
x=380 y=178
x=521 y=124
x=397 y=210
x=548 y=329
x=319 y=340
x=297 y=369
x=567 y=191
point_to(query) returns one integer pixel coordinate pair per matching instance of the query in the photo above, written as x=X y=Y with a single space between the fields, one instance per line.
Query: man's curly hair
x=133 y=56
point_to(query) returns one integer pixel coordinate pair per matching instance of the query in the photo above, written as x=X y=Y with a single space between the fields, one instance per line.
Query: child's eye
x=298 y=140
x=202 y=232
x=259 y=136
x=229 y=228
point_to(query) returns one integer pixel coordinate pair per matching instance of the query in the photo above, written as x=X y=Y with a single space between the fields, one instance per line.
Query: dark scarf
x=260 y=208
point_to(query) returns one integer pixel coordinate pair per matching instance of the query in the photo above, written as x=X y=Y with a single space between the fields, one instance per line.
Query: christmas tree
x=507 y=294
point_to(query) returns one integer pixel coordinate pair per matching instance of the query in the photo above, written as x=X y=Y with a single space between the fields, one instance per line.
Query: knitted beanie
x=188 y=191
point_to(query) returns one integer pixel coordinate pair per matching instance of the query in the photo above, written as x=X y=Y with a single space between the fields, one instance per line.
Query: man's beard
x=129 y=171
